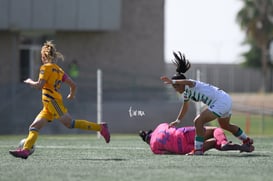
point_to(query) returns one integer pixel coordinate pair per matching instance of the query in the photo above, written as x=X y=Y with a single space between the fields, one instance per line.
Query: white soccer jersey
x=203 y=92
x=219 y=102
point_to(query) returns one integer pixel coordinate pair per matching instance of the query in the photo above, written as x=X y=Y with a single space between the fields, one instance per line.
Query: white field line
x=93 y=147
x=83 y=147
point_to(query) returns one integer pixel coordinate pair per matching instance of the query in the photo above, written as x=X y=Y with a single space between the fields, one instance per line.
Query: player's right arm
x=35 y=84
x=188 y=82
x=183 y=111
x=43 y=76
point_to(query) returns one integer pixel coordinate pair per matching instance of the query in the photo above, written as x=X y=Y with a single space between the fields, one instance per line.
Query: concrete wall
x=143 y=116
x=77 y=15
x=131 y=59
x=9 y=64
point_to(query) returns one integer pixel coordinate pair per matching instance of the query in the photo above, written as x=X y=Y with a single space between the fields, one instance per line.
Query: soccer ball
x=21 y=145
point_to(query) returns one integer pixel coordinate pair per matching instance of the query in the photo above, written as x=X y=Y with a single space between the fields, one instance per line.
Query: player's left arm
x=35 y=84
x=72 y=86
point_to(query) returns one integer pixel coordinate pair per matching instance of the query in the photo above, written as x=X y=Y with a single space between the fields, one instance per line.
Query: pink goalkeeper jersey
x=166 y=140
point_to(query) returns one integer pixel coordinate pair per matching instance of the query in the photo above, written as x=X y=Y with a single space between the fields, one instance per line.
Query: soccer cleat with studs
x=242 y=148
x=248 y=141
x=105 y=132
x=247 y=148
x=20 y=153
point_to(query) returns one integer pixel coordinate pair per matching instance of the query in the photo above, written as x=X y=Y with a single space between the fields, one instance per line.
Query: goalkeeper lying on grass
x=171 y=140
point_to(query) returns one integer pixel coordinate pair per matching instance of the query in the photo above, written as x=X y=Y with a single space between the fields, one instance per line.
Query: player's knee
x=38 y=124
x=225 y=126
x=198 y=122
x=32 y=128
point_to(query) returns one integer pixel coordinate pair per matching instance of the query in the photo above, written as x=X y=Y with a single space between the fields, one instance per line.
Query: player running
x=171 y=140
x=219 y=104
x=51 y=77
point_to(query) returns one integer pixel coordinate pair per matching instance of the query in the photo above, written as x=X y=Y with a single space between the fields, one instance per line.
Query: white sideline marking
x=92 y=147
x=84 y=147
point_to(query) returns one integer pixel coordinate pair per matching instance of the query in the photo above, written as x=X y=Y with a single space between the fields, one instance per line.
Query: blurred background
x=131 y=41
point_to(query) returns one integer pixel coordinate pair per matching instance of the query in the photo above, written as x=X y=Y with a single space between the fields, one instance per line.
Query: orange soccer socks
x=85 y=125
x=31 y=139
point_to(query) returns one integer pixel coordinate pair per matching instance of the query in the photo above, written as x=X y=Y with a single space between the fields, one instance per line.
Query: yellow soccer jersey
x=53 y=75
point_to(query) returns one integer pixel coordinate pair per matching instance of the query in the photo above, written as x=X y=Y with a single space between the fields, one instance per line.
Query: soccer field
x=127 y=157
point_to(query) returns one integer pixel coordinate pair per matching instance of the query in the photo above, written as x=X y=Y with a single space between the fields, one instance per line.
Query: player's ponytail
x=182 y=65
x=51 y=53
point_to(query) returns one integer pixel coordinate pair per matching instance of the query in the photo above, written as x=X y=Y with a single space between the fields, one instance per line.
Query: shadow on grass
x=240 y=155
x=104 y=159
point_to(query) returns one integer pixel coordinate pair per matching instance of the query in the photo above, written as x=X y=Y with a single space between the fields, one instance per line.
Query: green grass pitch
x=128 y=158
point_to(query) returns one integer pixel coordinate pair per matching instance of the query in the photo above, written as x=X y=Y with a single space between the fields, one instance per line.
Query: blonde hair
x=50 y=52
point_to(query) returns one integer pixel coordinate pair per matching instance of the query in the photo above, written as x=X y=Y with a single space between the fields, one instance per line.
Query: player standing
x=51 y=77
x=219 y=104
